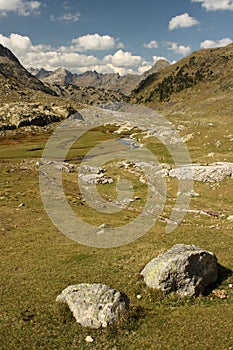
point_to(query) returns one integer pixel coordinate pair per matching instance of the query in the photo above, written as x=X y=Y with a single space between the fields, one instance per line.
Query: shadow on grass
x=223 y=274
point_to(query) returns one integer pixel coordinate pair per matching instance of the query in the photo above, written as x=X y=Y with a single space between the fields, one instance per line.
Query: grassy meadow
x=38 y=262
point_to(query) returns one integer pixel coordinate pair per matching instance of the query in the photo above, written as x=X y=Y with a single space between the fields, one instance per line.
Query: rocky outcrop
x=18 y=114
x=94 y=305
x=214 y=172
x=184 y=269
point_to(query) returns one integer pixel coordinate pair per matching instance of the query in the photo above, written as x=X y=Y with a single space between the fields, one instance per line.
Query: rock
x=214 y=172
x=185 y=269
x=89 y=339
x=24 y=114
x=94 y=305
x=220 y=293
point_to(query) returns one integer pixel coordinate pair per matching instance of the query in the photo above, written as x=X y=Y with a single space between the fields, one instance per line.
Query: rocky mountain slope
x=26 y=101
x=110 y=81
x=15 y=79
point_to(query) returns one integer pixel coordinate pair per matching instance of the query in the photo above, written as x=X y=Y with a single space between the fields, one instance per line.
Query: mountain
x=109 y=81
x=203 y=73
x=15 y=79
x=60 y=76
x=27 y=102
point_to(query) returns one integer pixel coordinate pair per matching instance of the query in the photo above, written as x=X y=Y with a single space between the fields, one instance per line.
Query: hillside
x=200 y=83
x=109 y=81
x=15 y=80
x=25 y=101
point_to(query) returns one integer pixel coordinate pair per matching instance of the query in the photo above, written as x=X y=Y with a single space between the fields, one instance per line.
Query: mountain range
x=109 y=81
x=199 y=85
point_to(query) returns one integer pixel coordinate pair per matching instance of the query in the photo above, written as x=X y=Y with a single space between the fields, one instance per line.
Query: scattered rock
x=21 y=205
x=220 y=293
x=96 y=179
x=94 y=305
x=214 y=172
x=89 y=339
x=185 y=269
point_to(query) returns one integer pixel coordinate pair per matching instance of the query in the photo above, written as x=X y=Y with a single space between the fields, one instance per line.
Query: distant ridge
x=109 y=81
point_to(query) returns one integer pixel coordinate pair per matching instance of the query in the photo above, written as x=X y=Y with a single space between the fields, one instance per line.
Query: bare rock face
x=185 y=269
x=94 y=305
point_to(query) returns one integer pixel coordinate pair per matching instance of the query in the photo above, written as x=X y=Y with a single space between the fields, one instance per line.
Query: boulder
x=184 y=269
x=94 y=305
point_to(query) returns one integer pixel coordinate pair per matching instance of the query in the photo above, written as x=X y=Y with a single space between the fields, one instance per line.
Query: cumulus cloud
x=67 y=17
x=17 y=43
x=215 y=43
x=179 y=49
x=95 y=42
x=214 y=5
x=153 y=44
x=50 y=58
x=123 y=59
x=47 y=57
x=182 y=21
x=21 y=7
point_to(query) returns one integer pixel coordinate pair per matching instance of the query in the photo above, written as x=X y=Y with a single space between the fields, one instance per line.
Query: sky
x=109 y=36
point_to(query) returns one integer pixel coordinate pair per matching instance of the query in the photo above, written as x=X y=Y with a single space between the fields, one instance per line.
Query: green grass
x=38 y=262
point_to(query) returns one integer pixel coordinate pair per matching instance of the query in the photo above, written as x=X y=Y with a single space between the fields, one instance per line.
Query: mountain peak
x=5 y=52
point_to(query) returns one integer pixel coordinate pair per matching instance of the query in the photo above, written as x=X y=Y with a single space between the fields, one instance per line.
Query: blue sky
x=111 y=36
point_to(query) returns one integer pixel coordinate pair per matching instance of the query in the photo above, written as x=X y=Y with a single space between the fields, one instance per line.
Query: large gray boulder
x=185 y=269
x=94 y=305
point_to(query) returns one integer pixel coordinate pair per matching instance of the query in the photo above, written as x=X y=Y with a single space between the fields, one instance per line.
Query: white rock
x=89 y=339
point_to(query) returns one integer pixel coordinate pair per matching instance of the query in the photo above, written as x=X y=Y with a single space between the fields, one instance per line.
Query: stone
x=184 y=269
x=89 y=339
x=220 y=293
x=94 y=305
x=214 y=172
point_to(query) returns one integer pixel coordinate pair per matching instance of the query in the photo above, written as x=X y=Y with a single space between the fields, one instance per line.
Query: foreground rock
x=185 y=269
x=94 y=305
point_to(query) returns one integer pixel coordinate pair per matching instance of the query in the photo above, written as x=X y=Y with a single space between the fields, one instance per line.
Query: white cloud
x=123 y=59
x=21 y=7
x=95 y=42
x=52 y=60
x=47 y=57
x=17 y=43
x=214 y=5
x=179 y=49
x=67 y=17
x=182 y=21
x=215 y=43
x=153 y=44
